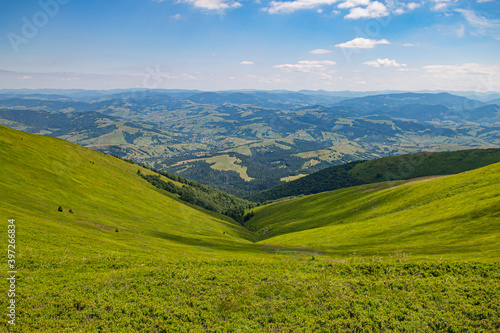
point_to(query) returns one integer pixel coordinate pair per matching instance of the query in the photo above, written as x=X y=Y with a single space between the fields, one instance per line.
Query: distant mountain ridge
x=246 y=141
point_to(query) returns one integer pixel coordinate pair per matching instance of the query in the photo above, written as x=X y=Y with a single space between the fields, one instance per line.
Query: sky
x=361 y=45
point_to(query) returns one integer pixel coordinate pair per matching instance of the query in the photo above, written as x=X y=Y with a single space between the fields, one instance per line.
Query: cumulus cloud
x=320 y=51
x=245 y=62
x=357 y=8
x=354 y=3
x=406 y=7
x=440 y=5
x=306 y=66
x=362 y=43
x=276 y=7
x=412 y=5
x=384 y=63
x=216 y=5
x=373 y=10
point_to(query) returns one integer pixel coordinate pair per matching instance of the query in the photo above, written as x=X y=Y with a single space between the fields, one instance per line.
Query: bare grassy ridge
x=454 y=217
x=132 y=258
x=399 y=167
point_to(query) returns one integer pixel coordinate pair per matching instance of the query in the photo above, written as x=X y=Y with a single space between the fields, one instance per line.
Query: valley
x=268 y=136
x=398 y=243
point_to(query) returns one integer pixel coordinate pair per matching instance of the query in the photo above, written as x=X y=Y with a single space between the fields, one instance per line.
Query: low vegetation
x=454 y=216
x=202 y=196
x=126 y=256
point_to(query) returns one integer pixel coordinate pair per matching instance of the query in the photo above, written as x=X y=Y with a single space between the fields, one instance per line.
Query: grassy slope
x=383 y=169
x=453 y=216
x=424 y=164
x=76 y=274
x=40 y=173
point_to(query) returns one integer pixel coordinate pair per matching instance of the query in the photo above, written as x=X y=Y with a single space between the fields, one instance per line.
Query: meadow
x=130 y=257
x=278 y=293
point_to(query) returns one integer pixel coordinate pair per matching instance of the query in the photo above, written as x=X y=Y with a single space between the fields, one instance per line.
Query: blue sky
x=256 y=44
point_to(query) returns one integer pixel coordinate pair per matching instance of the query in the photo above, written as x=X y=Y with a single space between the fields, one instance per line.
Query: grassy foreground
x=132 y=258
x=454 y=217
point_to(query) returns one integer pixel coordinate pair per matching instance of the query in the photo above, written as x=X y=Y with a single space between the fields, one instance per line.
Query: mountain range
x=243 y=142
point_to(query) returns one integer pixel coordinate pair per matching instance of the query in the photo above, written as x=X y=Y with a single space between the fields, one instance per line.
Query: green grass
x=41 y=173
x=228 y=163
x=270 y=296
x=454 y=217
x=172 y=267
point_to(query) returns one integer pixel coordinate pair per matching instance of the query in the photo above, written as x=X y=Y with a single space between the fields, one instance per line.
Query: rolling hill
x=104 y=195
x=454 y=216
x=383 y=169
x=121 y=255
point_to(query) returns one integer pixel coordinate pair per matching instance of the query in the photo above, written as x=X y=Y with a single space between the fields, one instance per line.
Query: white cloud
x=354 y=3
x=320 y=51
x=176 y=16
x=357 y=8
x=374 y=9
x=245 y=62
x=459 y=70
x=360 y=83
x=306 y=66
x=413 y=5
x=440 y=5
x=187 y=76
x=217 y=5
x=362 y=43
x=460 y=32
x=384 y=63
x=276 y=7
x=469 y=76
x=408 y=44
x=482 y=25
x=406 y=7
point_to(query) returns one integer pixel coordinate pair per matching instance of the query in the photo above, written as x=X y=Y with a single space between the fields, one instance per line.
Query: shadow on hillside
x=229 y=245
x=209 y=242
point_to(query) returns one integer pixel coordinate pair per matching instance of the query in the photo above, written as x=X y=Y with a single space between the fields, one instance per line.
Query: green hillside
x=105 y=194
x=383 y=169
x=455 y=216
x=125 y=256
